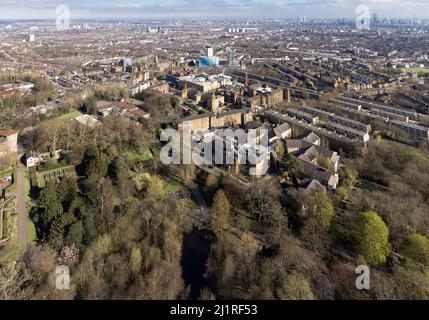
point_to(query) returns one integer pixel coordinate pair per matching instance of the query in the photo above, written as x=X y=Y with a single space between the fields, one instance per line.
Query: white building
x=209 y=51
x=8 y=142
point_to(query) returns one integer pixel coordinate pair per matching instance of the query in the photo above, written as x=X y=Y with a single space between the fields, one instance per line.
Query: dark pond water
x=195 y=252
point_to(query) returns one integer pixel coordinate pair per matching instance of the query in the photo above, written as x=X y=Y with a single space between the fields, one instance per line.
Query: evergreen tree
x=58 y=229
x=119 y=169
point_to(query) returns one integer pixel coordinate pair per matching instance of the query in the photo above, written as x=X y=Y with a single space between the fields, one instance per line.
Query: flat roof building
x=317 y=112
x=350 y=123
x=411 y=129
x=347 y=132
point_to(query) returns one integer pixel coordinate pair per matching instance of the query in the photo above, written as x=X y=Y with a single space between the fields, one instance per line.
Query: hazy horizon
x=215 y=9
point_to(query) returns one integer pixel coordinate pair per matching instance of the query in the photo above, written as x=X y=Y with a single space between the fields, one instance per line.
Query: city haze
x=198 y=9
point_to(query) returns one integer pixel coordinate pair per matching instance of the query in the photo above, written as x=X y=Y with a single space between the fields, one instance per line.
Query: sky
x=145 y=9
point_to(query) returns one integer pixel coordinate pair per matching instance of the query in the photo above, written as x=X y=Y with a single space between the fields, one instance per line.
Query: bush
x=370 y=238
x=416 y=248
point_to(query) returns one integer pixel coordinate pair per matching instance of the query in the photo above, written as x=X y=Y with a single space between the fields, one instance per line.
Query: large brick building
x=266 y=97
x=233 y=118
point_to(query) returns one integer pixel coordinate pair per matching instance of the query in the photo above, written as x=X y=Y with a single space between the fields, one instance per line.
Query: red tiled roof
x=7 y=133
x=138 y=112
x=126 y=105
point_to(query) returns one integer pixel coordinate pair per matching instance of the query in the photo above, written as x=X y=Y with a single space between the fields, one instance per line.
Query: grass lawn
x=171 y=187
x=31 y=231
x=136 y=157
x=7 y=172
x=416 y=70
x=12 y=172
x=64 y=117
x=69 y=116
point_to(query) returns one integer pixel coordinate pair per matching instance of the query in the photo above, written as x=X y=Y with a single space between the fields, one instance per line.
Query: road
x=21 y=207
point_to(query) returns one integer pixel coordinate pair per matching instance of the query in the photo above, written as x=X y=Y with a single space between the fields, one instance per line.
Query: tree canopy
x=371 y=238
x=416 y=248
x=220 y=212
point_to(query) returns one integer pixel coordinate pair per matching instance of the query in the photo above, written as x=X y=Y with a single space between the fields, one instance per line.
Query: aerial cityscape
x=186 y=150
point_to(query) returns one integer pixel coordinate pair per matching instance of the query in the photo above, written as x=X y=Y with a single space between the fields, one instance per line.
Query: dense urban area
x=342 y=181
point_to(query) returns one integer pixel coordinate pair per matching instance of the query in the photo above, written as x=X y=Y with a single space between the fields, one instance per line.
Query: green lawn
x=68 y=116
x=27 y=187
x=56 y=167
x=171 y=187
x=416 y=70
x=136 y=157
x=31 y=231
x=7 y=174
x=7 y=171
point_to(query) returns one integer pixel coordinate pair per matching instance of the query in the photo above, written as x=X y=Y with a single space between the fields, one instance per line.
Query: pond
x=195 y=252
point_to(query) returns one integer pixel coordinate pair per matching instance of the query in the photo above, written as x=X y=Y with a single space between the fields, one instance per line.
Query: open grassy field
x=69 y=116
x=135 y=157
x=31 y=231
x=417 y=70
x=172 y=187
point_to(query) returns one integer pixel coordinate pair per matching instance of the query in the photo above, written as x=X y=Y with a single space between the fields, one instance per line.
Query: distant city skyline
x=135 y=9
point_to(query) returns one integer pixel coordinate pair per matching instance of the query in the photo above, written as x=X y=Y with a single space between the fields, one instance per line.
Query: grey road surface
x=21 y=207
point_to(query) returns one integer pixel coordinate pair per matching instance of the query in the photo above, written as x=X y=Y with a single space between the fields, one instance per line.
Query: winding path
x=21 y=207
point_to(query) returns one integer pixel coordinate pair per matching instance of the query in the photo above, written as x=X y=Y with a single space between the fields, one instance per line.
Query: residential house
x=87 y=120
x=136 y=88
x=33 y=159
x=319 y=163
x=283 y=131
x=8 y=142
x=314 y=186
x=105 y=108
